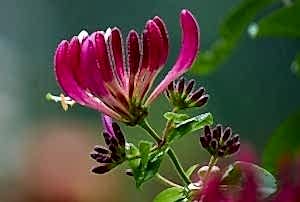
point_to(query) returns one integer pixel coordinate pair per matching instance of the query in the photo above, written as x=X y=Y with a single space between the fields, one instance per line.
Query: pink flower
x=101 y=72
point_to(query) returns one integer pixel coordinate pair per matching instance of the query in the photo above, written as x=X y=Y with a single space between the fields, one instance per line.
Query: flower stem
x=166 y=181
x=145 y=125
x=178 y=167
x=212 y=162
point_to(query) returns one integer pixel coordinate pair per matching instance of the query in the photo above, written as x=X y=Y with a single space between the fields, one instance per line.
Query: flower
x=220 y=142
x=97 y=72
x=182 y=94
x=115 y=153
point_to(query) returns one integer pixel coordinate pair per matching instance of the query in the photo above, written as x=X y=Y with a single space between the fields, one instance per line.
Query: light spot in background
x=253 y=30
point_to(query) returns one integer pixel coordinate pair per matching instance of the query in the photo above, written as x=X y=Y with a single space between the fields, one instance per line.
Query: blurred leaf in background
x=231 y=31
x=284 y=141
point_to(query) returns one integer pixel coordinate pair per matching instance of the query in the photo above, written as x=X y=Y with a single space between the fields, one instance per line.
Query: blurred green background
x=44 y=151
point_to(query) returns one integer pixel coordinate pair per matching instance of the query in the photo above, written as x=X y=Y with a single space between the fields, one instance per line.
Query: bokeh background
x=44 y=151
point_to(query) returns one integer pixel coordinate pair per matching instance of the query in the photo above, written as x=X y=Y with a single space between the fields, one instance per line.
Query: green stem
x=166 y=181
x=145 y=125
x=178 y=167
x=212 y=162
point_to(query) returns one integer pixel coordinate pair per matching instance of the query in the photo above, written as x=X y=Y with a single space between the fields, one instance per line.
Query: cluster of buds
x=182 y=94
x=112 y=155
x=220 y=142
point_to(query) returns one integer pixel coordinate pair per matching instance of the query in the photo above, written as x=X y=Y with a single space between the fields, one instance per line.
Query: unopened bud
x=219 y=142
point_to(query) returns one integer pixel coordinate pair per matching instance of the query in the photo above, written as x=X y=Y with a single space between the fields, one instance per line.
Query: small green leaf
x=145 y=148
x=175 y=117
x=131 y=152
x=283 y=22
x=191 y=170
x=234 y=176
x=190 y=125
x=147 y=165
x=284 y=141
x=173 y=194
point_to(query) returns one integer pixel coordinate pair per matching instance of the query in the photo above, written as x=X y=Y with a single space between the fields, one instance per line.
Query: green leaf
x=131 y=152
x=234 y=176
x=145 y=148
x=296 y=65
x=175 y=117
x=285 y=140
x=147 y=165
x=189 y=125
x=190 y=171
x=283 y=22
x=231 y=31
x=170 y=195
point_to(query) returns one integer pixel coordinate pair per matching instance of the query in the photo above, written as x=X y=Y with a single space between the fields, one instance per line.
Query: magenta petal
x=134 y=56
x=188 y=52
x=107 y=124
x=153 y=44
x=103 y=57
x=116 y=43
x=89 y=71
x=163 y=30
x=66 y=56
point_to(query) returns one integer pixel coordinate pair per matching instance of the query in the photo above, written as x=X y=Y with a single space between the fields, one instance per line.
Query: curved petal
x=89 y=72
x=65 y=60
x=188 y=52
x=107 y=124
x=116 y=45
x=133 y=58
x=151 y=60
x=164 y=34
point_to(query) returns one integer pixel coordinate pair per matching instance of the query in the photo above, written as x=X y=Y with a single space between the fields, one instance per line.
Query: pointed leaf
x=190 y=125
x=191 y=170
x=175 y=117
x=170 y=195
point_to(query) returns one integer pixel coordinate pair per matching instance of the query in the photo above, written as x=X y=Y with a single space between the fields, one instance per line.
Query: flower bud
x=182 y=95
x=112 y=155
x=219 y=142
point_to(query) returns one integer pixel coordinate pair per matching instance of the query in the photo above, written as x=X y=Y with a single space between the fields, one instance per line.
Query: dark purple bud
x=204 y=142
x=167 y=94
x=107 y=138
x=171 y=86
x=119 y=135
x=104 y=159
x=94 y=155
x=101 y=169
x=221 y=153
x=207 y=131
x=116 y=157
x=202 y=100
x=101 y=149
x=235 y=138
x=197 y=94
x=217 y=131
x=113 y=146
x=189 y=87
x=129 y=172
x=229 y=142
x=226 y=135
x=180 y=85
x=214 y=144
x=234 y=148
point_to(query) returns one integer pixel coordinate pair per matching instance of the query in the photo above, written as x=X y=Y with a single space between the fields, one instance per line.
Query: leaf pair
x=146 y=166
